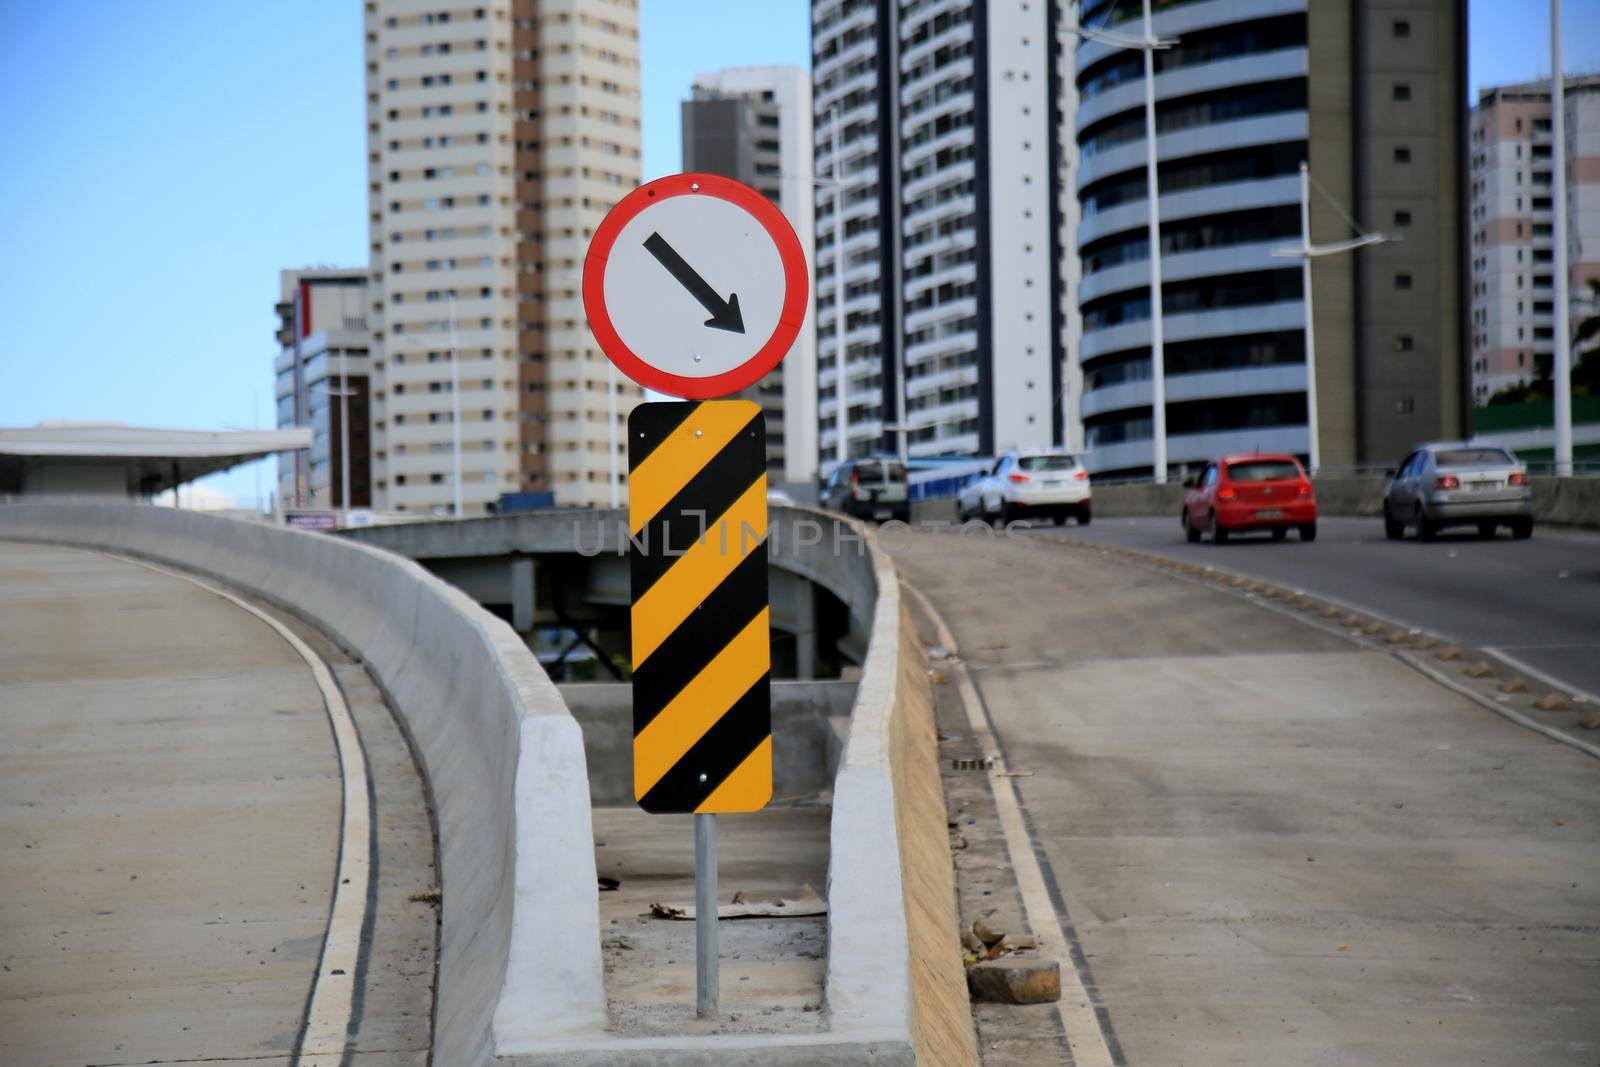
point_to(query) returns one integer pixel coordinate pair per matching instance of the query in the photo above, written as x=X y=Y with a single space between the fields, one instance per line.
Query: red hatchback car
x=1241 y=493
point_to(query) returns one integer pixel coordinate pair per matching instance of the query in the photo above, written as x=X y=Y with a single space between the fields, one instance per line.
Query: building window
x=1402 y=218
x=1404 y=343
x=1402 y=28
x=1402 y=281
x=1402 y=154
x=1405 y=406
x=1402 y=91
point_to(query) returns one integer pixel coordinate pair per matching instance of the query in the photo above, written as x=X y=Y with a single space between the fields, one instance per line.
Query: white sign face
x=662 y=316
x=695 y=286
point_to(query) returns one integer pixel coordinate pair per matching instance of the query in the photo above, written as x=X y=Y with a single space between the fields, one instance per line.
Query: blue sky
x=165 y=158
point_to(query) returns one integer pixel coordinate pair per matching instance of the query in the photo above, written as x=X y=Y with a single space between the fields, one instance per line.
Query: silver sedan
x=1458 y=485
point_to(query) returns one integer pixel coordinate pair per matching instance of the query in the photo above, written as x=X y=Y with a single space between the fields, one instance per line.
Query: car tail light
x=1225 y=494
x=1517 y=478
x=1305 y=488
x=855 y=477
x=1447 y=481
x=1017 y=477
x=1081 y=475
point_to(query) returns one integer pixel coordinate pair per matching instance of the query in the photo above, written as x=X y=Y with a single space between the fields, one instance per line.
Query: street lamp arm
x=1119 y=40
x=1316 y=251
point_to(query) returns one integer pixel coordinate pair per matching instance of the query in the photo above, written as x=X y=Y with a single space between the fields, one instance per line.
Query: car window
x=1472 y=457
x=1262 y=470
x=869 y=470
x=1210 y=475
x=1048 y=463
x=1411 y=465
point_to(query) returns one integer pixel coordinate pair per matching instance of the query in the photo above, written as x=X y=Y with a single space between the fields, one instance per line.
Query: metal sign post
x=696 y=286
x=706 y=979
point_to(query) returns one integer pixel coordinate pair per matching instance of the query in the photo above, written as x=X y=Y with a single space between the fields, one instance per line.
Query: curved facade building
x=1371 y=94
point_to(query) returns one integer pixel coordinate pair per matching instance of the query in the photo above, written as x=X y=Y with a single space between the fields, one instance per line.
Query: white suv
x=1029 y=485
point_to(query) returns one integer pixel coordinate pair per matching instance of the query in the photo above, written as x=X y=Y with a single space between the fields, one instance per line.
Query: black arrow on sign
x=724 y=313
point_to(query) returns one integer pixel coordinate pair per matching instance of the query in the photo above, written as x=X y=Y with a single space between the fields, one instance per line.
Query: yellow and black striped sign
x=697 y=513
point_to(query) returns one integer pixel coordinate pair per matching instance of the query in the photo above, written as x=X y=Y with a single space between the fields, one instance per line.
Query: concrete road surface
x=1275 y=847
x=169 y=825
x=1537 y=602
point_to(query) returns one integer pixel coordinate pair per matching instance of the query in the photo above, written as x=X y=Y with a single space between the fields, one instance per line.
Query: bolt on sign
x=696 y=286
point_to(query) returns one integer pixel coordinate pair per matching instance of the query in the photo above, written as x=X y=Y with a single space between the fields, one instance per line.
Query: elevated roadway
x=1534 y=603
x=1267 y=843
x=177 y=826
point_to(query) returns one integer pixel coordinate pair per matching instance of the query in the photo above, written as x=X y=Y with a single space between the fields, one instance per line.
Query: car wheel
x=1190 y=534
x=1427 y=529
x=1522 y=529
x=1486 y=529
x=1084 y=515
x=1308 y=532
x=1393 y=528
x=1219 y=536
x=1280 y=534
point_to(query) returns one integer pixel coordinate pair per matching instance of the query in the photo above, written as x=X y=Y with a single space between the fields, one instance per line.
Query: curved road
x=170 y=826
x=1535 y=603
x=1269 y=844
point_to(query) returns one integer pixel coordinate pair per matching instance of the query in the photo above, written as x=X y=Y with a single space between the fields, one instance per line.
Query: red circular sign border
x=790 y=318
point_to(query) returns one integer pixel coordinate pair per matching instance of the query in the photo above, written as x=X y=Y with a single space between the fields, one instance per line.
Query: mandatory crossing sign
x=695 y=286
x=697 y=512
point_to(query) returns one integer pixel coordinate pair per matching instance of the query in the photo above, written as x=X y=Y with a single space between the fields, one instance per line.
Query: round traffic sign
x=695 y=285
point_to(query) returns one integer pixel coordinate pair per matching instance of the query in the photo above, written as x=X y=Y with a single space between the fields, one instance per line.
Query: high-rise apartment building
x=952 y=121
x=1372 y=94
x=321 y=376
x=1512 y=225
x=498 y=137
x=753 y=124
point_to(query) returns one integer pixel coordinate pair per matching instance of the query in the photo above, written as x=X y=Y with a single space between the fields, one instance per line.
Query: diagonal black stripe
x=696 y=642
x=716 y=755
x=650 y=424
x=694 y=511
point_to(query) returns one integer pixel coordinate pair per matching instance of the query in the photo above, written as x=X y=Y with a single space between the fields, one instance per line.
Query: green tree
x=1585 y=362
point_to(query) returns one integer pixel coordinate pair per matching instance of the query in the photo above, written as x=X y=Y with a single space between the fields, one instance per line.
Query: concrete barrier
x=894 y=972
x=519 y=948
x=1561 y=501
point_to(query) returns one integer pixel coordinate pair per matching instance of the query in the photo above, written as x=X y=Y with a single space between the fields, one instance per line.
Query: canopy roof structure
x=112 y=459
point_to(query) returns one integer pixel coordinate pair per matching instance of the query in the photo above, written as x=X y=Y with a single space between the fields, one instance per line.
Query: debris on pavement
x=1553 y=702
x=1015 y=980
x=806 y=904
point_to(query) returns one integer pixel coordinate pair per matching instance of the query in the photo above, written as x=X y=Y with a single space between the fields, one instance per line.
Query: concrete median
x=519 y=952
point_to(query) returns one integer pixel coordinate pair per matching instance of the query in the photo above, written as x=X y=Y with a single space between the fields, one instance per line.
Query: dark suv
x=871 y=488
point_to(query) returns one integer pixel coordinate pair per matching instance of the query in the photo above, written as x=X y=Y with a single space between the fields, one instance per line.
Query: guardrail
x=519 y=946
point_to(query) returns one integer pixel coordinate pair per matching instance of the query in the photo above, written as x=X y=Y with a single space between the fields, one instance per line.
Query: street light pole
x=1561 y=370
x=1148 y=43
x=1306 y=252
x=455 y=404
x=841 y=448
x=344 y=432
x=612 y=391
x=1158 y=359
x=1312 y=428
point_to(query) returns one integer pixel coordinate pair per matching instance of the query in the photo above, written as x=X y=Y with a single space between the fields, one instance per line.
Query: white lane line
x=1075 y=1009
x=333 y=989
